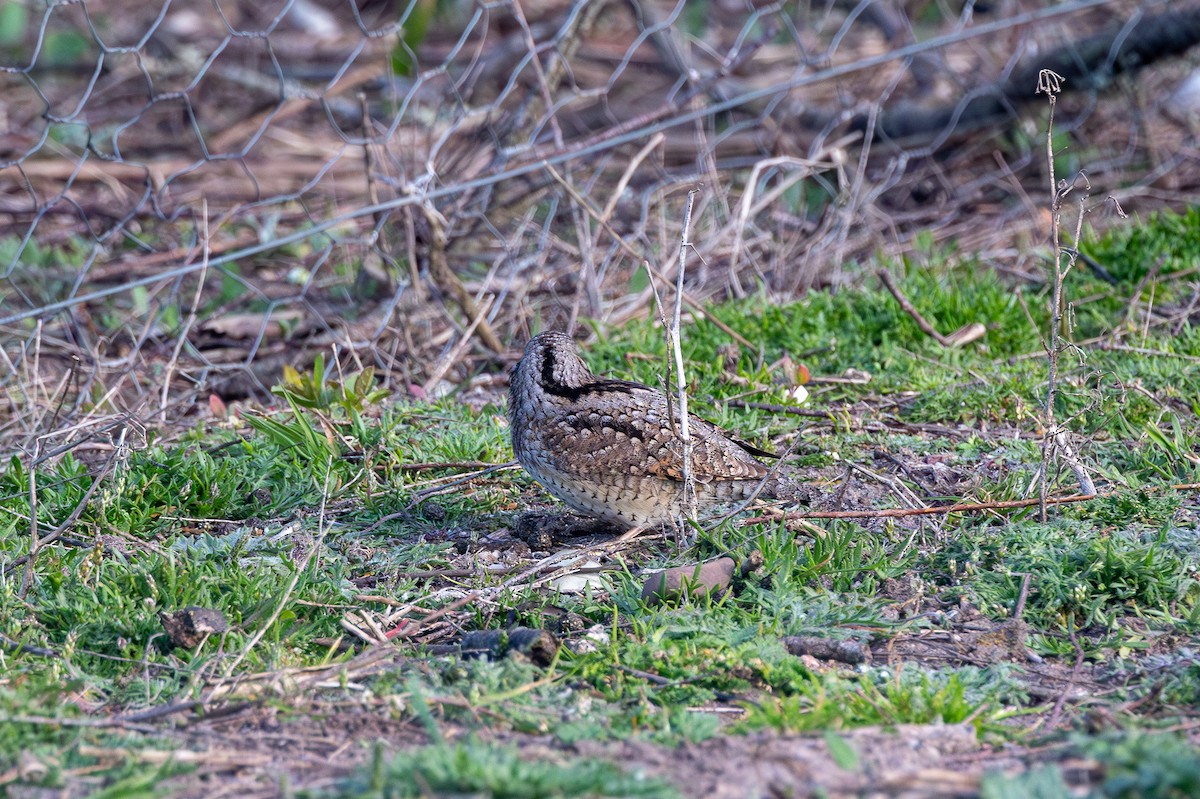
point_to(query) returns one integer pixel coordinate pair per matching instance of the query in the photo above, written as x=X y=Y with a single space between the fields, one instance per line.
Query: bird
x=610 y=449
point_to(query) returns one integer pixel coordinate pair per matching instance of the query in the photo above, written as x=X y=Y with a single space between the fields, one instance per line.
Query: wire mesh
x=194 y=195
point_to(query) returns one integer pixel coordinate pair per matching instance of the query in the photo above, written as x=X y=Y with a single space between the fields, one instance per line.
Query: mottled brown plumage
x=608 y=448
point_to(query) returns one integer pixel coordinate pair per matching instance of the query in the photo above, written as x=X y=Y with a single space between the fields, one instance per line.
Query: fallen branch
x=1117 y=347
x=1089 y=64
x=962 y=507
x=961 y=337
x=425 y=466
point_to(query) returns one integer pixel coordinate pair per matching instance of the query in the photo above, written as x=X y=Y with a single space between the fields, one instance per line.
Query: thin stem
x=1053 y=438
x=689 y=484
x=1049 y=83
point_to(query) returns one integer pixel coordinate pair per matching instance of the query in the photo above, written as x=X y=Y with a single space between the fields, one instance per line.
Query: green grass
x=993 y=381
x=1167 y=242
x=1081 y=579
x=50 y=753
x=226 y=517
x=834 y=701
x=1136 y=765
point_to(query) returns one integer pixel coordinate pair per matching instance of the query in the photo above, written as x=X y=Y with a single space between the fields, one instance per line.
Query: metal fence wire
x=193 y=195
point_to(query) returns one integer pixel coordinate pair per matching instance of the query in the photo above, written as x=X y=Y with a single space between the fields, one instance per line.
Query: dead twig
x=426 y=493
x=455 y=354
x=602 y=219
x=37 y=544
x=417 y=626
x=1116 y=347
x=959 y=338
x=428 y=466
x=1059 y=703
x=1067 y=453
x=9 y=645
x=1022 y=597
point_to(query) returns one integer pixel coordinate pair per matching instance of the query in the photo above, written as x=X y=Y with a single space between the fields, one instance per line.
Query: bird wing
x=715 y=455
x=635 y=433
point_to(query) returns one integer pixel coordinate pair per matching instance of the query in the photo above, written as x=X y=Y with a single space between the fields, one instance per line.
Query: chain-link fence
x=193 y=195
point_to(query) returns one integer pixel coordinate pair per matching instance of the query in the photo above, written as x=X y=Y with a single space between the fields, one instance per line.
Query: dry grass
x=247 y=201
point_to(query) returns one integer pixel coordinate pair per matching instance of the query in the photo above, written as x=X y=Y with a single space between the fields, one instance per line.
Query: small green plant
x=1077 y=579
x=327 y=427
x=300 y=434
x=415 y=23
x=475 y=768
x=1173 y=453
x=313 y=391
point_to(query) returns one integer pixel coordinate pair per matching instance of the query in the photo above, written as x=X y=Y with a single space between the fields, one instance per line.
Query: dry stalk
x=662 y=318
x=447 y=281
x=206 y=246
x=34 y=543
x=602 y=220
x=804 y=168
x=38 y=542
x=772 y=474
x=577 y=27
x=1050 y=83
x=456 y=352
x=652 y=144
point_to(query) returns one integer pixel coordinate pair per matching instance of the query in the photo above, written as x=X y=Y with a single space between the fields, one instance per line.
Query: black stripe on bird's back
x=573 y=393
